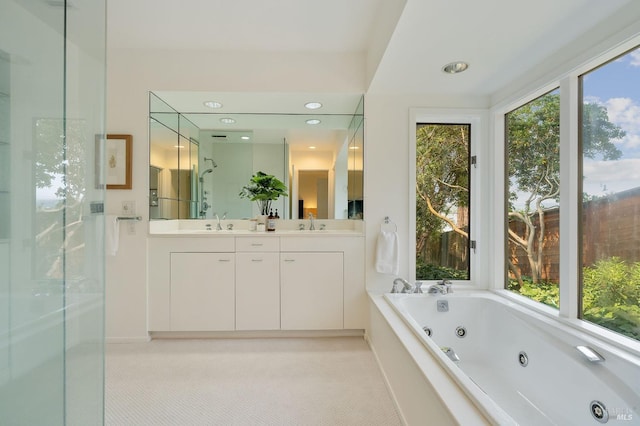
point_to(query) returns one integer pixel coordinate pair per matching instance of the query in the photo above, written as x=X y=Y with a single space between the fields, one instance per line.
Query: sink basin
x=205 y=231
x=287 y=232
x=318 y=231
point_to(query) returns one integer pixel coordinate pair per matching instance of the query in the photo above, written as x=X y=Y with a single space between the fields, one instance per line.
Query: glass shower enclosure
x=52 y=102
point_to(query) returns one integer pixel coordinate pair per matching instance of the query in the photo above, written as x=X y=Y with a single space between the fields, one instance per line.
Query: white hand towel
x=111 y=234
x=387 y=261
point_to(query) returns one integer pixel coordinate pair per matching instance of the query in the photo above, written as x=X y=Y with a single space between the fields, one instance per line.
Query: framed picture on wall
x=117 y=157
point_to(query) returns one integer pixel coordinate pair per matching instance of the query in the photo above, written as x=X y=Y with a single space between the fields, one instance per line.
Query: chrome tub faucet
x=441 y=287
x=400 y=285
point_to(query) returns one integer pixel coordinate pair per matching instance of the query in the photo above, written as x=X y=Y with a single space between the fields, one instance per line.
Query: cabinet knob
x=257 y=244
x=256 y=260
x=289 y=260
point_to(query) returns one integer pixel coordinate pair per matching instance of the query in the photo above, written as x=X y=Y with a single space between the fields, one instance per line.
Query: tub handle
x=590 y=354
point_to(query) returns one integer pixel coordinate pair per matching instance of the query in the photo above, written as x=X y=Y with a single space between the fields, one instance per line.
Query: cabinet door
x=257 y=291
x=202 y=291
x=311 y=286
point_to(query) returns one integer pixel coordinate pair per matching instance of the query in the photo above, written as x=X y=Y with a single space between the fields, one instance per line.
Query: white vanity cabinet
x=186 y=276
x=328 y=277
x=254 y=282
x=311 y=286
x=257 y=283
x=202 y=291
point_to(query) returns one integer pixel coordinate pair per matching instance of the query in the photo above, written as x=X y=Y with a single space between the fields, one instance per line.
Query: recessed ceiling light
x=312 y=147
x=212 y=104
x=313 y=121
x=227 y=120
x=354 y=147
x=313 y=105
x=178 y=146
x=455 y=67
x=245 y=138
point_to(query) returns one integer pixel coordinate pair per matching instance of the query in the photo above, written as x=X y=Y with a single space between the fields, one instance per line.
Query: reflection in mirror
x=355 y=166
x=173 y=161
x=313 y=194
x=199 y=161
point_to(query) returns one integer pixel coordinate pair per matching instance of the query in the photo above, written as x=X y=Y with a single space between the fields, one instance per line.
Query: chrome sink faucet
x=219 y=226
x=441 y=287
x=312 y=226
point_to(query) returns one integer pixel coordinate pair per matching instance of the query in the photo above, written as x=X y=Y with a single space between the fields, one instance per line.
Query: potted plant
x=263 y=189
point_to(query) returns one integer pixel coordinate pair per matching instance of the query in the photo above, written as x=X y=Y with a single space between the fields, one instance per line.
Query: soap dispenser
x=271 y=222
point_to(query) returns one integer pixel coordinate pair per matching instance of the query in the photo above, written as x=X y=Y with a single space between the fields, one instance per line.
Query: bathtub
x=519 y=366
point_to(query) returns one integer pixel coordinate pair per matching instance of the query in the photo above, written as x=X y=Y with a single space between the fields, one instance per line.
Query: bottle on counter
x=271 y=221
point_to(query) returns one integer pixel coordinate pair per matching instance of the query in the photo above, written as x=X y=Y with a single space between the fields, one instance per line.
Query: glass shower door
x=51 y=222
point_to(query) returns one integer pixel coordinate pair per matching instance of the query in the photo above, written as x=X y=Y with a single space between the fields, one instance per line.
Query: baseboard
x=260 y=334
x=142 y=339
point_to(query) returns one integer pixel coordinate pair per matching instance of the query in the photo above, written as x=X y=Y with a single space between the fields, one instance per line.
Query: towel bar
x=129 y=218
x=388 y=221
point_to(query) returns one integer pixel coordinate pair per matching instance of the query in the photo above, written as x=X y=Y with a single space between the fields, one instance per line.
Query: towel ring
x=388 y=221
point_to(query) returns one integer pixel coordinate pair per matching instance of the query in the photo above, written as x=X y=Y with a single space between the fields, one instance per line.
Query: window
x=533 y=191
x=610 y=154
x=442 y=201
x=601 y=187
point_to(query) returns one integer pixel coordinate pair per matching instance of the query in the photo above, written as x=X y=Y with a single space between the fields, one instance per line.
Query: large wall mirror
x=204 y=147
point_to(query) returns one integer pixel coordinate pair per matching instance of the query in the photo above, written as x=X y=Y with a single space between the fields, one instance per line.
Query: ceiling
x=501 y=39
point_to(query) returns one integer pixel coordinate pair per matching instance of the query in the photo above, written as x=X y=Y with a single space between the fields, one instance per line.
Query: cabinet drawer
x=257 y=244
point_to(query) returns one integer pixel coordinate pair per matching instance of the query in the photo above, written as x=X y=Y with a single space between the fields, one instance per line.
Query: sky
x=616 y=86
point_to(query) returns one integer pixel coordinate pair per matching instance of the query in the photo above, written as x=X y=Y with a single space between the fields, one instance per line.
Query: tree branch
x=452 y=186
x=455 y=228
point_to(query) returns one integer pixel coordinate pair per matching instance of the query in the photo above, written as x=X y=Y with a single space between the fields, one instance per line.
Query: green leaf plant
x=263 y=189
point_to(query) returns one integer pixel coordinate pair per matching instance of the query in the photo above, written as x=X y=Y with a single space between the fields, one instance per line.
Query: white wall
x=131 y=74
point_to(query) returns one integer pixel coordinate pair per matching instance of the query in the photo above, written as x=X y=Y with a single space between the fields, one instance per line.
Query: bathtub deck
x=504 y=390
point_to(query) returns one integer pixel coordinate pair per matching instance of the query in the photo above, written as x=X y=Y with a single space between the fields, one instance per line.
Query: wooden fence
x=610 y=227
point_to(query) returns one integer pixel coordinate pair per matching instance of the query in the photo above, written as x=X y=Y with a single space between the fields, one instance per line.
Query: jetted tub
x=520 y=366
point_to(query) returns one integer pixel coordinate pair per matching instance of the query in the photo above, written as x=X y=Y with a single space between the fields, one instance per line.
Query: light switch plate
x=128 y=208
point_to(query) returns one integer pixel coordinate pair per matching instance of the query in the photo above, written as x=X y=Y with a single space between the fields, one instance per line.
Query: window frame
x=507 y=188
x=477 y=120
x=570 y=196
